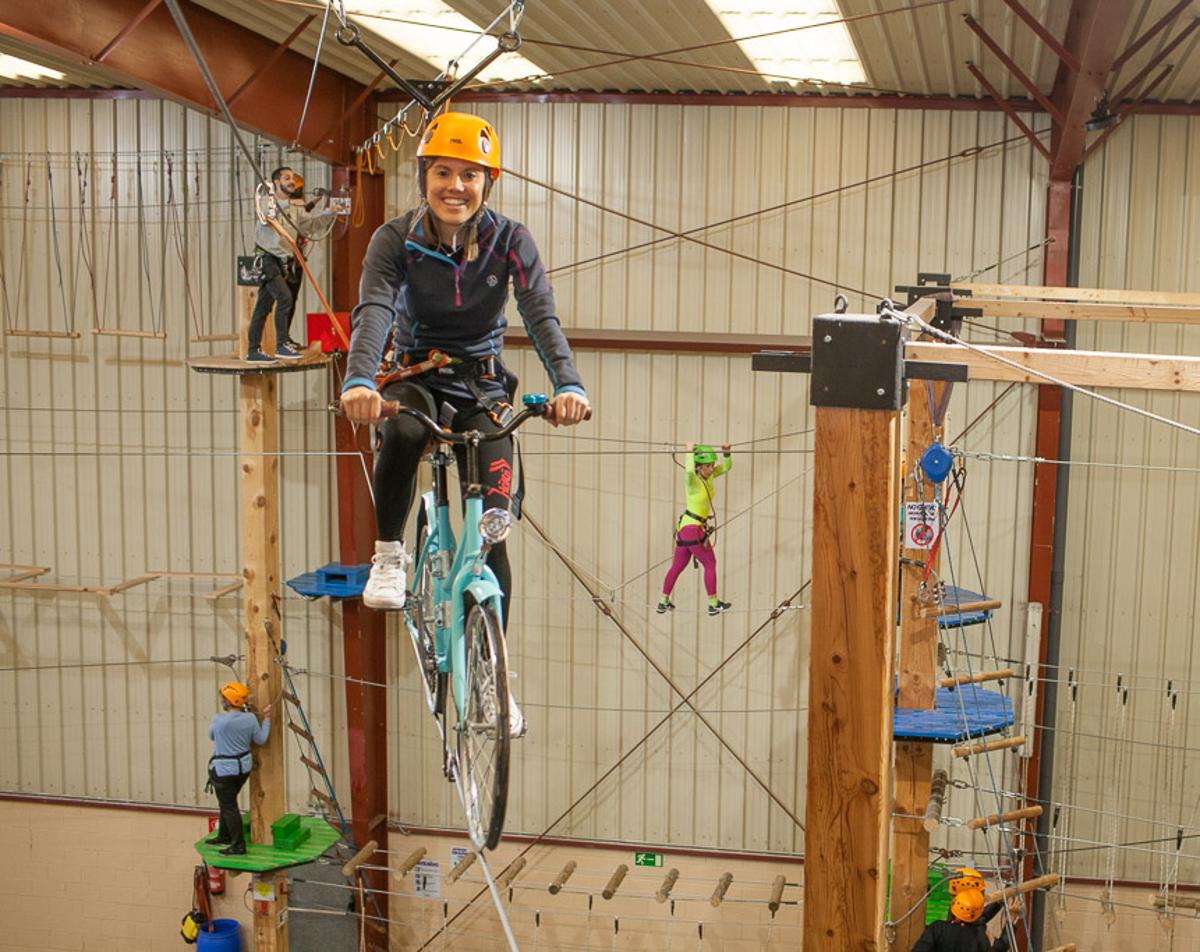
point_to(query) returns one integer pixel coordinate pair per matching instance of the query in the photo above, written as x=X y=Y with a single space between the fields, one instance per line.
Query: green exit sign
x=647 y=859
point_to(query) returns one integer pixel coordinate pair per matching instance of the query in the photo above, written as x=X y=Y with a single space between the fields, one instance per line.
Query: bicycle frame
x=458 y=569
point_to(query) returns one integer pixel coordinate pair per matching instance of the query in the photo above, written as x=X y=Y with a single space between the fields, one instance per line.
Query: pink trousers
x=701 y=552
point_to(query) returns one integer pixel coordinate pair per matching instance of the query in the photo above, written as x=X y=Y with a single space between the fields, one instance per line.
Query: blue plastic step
x=333 y=581
x=958 y=714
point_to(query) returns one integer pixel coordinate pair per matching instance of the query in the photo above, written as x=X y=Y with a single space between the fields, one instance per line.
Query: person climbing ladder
x=694 y=531
x=232 y=732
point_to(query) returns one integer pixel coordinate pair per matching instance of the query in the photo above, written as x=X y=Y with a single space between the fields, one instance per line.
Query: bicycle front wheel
x=483 y=736
x=421 y=615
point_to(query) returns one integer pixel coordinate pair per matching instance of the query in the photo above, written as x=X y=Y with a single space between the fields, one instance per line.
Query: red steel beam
x=1064 y=54
x=154 y=57
x=364 y=632
x=1013 y=68
x=1154 y=61
x=1094 y=28
x=270 y=60
x=126 y=30
x=1009 y=111
x=1165 y=20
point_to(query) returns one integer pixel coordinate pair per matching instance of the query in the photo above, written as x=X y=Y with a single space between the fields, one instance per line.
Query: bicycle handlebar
x=393 y=408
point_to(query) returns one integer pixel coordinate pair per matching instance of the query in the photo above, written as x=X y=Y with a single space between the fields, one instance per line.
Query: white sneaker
x=516 y=720
x=385 y=588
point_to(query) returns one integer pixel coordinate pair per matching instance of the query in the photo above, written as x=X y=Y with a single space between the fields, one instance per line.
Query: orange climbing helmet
x=235 y=693
x=967 y=905
x=965 y=878
x=461 y=135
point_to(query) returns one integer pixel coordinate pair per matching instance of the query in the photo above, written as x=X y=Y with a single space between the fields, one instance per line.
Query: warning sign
x=920 y=525
x=427 y=879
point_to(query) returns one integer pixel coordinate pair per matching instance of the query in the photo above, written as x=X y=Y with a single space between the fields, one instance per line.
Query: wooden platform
x=233 y=364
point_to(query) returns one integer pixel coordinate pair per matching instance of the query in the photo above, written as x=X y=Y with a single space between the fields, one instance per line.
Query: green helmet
x=704 y=454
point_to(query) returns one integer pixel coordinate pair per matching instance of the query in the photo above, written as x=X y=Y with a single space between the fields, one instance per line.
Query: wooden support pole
x=848 y=808
x=1040 y=882
x=718 y=895
x=983 y=822
x=1002 y=675
x=504 y=880
x=1004 y=743
x=461 y=867
x=270 y=916
x=614 y=881
x=937 y=801
x=917 y=675
x=776 y=899
x=260 y=554
x=664 y=891
x=561 y=879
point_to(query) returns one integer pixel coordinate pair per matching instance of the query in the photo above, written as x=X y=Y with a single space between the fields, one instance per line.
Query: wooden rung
x=106 y=332
x=510 y=872
x=291 y=698
x=614 y=881
x=22 y=332
x=937 y=800
x=1002 y=675
x=130 y=583
x=329 y=802
x=1176 y=902
x=211 y=338
x=297 y=729
x=27 y=572
x=461 y=866
x=1004 y=743
x=776 y=894
x=1041 y=882
x=668 y=884
x=411 y=860
x=312 y=765
x=561 y=879
x=983 y=822
x=224 y=590
x=355 y=861
x=718 y=895
x=961 y=608
x=1069 y=947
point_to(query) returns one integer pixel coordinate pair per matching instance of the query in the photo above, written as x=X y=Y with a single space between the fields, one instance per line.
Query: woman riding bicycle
x=434 y=285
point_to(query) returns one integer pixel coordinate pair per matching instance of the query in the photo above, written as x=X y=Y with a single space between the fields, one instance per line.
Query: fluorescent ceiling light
x=13 y=67
x=443 y=40
x=822 y=52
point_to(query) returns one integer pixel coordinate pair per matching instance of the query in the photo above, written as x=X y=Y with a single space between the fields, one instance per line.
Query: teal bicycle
x=455 y=617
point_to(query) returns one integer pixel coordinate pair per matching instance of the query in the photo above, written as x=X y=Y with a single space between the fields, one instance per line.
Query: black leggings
x=403 y=441
x=280 y=286
x=227 y=790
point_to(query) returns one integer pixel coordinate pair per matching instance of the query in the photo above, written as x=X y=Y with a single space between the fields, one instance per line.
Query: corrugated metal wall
x=1132 y=550
x=608 y=494
x=118 y=460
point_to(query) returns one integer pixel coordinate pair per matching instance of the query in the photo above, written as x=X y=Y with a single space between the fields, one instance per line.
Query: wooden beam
x=259 y=463
x=1085 y=368
x=998 y=51
x=1009 y=111
x=1097 y=295
x=1069 y=59
x=1087 y=311
x=848 y=809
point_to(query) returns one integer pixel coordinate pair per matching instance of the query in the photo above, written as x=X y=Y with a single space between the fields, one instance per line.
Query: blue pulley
x=937 y=462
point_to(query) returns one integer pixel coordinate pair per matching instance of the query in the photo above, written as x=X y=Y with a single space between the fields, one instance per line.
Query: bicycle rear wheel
x=483 y=737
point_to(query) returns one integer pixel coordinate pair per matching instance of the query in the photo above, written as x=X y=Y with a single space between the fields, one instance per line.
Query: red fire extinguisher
x=216 y=877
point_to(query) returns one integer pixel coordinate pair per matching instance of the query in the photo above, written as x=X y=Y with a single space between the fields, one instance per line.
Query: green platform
x=937 y=903
x=260 y=858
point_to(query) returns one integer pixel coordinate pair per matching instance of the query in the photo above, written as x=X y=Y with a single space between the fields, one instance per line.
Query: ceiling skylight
x=12 y=67
x=822 y=52
x=443 y=40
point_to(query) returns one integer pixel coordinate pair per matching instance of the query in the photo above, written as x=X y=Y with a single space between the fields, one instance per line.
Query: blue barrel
x=224 y=937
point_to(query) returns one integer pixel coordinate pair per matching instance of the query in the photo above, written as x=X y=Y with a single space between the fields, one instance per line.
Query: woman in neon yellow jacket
x=694 y=530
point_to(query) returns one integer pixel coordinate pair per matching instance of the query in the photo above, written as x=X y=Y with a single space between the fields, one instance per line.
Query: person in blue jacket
x=434 y=286
x=232 y=731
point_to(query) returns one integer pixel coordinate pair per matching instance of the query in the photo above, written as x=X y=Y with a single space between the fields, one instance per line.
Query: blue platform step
x=333 y=581
x=953 y=595
x=958 y=714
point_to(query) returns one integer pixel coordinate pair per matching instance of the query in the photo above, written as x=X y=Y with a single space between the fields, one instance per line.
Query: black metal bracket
x=947 y=316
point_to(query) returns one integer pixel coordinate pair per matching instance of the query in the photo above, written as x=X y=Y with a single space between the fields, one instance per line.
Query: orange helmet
x=461 y=135
x=235 y=693
x=965 y=878
x=967 y=905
